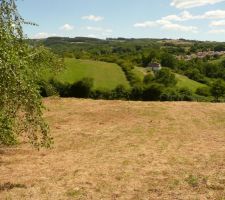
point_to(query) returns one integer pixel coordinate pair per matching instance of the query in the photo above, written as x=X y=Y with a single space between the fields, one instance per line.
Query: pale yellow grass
x=122 y=150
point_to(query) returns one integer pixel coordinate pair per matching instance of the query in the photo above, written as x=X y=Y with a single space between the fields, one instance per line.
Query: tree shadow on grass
x=10 y=186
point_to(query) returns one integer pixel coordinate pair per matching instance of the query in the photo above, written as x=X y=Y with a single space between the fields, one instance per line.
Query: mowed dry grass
x=122 y=150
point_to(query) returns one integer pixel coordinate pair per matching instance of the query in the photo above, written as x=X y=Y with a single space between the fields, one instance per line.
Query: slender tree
x=20 y=66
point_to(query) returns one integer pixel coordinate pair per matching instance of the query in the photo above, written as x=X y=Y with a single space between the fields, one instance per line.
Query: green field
x=140 y=72
x=109 y=75
x=105 y=75
x=183 y=81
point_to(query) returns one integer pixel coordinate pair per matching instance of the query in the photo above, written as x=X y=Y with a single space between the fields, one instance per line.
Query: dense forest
x=203 y=62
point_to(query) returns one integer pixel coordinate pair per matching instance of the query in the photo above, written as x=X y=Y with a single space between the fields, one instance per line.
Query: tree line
x=128 y=53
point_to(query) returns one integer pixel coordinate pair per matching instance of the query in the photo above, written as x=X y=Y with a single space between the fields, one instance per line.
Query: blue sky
x=190 y=19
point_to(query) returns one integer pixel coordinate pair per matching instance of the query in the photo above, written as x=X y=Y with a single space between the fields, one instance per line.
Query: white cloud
x=217 y=31
x=42 y=35
x=217 y=23
x=168 y=25
x=66 y=27
x=185 y=16
x=178 y=27
x=145 y=24
x=93 y=18
x=215 y=14
x=167 y=22
x=184 y=4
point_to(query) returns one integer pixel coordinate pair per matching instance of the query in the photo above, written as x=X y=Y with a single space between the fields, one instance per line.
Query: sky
x=189 y=19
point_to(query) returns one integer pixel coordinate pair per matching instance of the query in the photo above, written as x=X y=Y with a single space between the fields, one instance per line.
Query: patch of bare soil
x=122 y=150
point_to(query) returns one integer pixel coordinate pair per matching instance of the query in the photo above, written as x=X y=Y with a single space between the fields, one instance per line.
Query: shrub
x=7 y=136
x=185 y=94
x=120 y=92
x=170 y=94
x=152 y=92
x=203 y=91
x=192 y=180
x=82 y=88
x=165 y=77
x=195 y=75
x=168 y=60
x=137 y=92
x=47 y=89
x=128 y=71
x=148 y=78
x=101 y=94
x=218 y=89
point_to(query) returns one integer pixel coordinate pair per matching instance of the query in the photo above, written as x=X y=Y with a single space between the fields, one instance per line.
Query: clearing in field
x=105 y=75
x=184 y=81
x=122 y=150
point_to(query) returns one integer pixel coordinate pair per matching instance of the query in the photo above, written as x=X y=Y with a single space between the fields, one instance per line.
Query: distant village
x=202 y=54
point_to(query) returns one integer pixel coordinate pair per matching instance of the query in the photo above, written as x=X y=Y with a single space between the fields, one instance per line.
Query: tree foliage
x=218 y=89
x=82 y=88
x=165 y=77
x=168 y=60
x=20 y=66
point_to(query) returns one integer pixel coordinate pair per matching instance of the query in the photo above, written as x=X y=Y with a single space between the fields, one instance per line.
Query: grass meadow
x=121 y=150
x=105 y=75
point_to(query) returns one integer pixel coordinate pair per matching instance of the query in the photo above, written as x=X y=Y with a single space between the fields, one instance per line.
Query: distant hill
x=129 y=57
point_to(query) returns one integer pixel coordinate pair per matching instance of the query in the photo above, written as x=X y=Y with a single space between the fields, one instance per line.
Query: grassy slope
x=122 y=150
x=109 y=75
x=184 y=81
x=140 y=72
x=106 y=75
